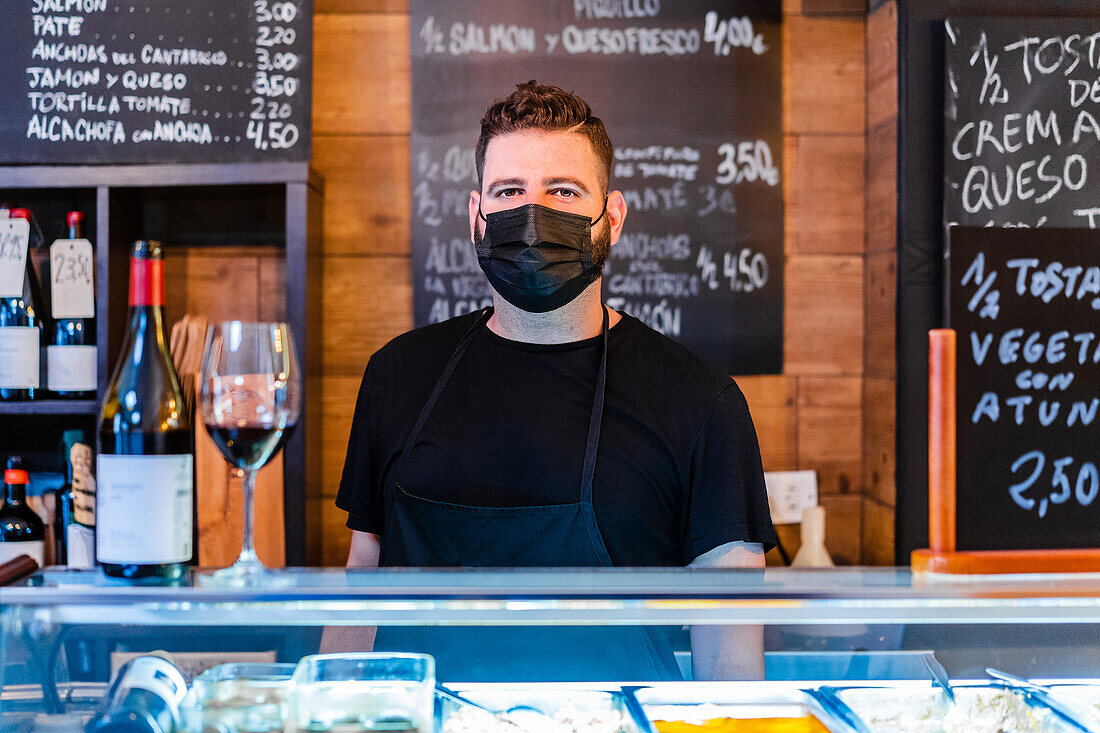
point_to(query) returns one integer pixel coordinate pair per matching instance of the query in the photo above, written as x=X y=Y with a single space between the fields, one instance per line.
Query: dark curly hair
x=535 y=106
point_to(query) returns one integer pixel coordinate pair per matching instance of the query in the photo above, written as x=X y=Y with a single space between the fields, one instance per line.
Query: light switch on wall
x=789 y=492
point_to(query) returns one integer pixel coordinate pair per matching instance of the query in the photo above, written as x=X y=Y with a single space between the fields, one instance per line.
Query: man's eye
x=508 y=192
x=567 y=193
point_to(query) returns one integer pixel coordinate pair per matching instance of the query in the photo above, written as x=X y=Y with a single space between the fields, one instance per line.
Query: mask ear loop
x=594 y=221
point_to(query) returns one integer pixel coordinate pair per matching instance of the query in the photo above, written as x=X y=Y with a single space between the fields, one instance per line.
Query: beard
x=601 y=245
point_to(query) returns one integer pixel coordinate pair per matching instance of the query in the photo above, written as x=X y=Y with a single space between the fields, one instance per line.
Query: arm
x=734 y=652
x=365 y=549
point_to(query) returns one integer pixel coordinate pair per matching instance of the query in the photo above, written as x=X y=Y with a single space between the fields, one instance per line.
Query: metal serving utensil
x=939 y=676
x=503 y=715
x=1069 y=710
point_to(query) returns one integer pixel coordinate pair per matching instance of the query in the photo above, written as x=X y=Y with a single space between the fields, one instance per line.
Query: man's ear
x=475 y=204
x=616 y=214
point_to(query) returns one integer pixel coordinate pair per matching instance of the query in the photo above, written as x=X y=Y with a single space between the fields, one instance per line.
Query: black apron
x=421 y=532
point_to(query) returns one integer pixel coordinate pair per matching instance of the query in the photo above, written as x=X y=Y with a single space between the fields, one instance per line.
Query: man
x=550 y=430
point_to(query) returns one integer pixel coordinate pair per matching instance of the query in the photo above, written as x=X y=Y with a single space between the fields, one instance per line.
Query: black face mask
x=536 y=257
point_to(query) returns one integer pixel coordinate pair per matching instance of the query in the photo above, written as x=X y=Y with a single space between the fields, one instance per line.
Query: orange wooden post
x=941 y=440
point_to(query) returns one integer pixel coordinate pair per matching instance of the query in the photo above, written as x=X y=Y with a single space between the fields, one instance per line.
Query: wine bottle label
x=156 y=675
x=80 y=456
x=19 y=357
x=72 y=294
x=15 y=234
x=143 y=514
x=80 y=547
x=71 y=368
x=11 y=550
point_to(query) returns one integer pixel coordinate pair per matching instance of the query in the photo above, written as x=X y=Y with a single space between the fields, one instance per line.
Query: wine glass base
x=244 y=575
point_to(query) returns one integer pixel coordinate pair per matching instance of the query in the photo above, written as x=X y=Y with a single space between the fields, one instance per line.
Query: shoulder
x=653 y=357
x=424 y=345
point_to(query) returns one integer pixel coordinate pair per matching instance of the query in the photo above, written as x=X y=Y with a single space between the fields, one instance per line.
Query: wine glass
x=250 y=396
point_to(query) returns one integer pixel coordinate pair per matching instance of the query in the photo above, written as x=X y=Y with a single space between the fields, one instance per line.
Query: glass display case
x=65 y=632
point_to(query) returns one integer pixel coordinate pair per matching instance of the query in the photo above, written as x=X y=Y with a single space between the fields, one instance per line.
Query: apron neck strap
x=452 y=363
x=596 y=420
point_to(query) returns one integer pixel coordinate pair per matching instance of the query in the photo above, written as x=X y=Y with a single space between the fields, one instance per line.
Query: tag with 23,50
x=71 y=292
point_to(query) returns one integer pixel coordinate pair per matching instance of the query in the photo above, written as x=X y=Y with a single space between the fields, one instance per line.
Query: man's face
x=556 y=169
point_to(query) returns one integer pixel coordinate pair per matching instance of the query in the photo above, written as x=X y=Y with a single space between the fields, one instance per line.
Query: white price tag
x=15 y=234
x=72 y=289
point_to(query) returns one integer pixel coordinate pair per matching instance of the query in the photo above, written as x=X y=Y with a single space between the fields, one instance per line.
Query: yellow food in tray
x=803 y=724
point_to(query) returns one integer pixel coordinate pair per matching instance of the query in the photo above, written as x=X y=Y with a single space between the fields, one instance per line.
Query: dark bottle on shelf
x=21 y=531
x=145 y=468
x=145 y=697
x=21 y=334
x=71 y=351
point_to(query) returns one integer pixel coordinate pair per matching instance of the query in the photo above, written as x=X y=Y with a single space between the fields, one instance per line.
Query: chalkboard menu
x=1025 y=304
x=1022 y=122
x=155 y=81
x=691 y=95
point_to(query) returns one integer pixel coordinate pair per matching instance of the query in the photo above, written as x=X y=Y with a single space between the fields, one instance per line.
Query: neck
x=577 y=320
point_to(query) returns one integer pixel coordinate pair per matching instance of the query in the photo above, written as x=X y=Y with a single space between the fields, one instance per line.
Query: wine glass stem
x=248 y=552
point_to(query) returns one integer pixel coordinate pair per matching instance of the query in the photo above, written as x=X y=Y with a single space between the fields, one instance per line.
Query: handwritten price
x=274 y=135
x=1085 y=488
x=746 y=271
x=746 y=161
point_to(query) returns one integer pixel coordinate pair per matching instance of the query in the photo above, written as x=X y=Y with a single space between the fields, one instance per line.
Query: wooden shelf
x=50 y=407
x=77 y=176
x=270 y=204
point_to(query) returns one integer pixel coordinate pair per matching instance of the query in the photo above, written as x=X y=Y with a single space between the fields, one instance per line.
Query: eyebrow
x=547 y=182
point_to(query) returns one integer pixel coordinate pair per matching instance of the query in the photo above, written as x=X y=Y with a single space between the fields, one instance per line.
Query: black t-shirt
x=678 y=469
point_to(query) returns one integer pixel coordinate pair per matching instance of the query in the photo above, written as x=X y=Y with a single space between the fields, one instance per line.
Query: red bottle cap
x=19 y=214
x=16 y=476
x=146 y=282
x=74 y=217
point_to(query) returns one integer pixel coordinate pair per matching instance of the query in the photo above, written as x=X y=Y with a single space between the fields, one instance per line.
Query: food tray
x=922 y=708
x=1081 y=700
x=732 y=700
x=603 y=702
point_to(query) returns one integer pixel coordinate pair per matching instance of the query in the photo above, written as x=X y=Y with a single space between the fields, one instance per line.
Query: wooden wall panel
x=878 y=534
x=879 y=429
x=361 y=6
x=823 y=316
x=879 y=301
x=843 y=528
x=823 y=75
x=882 y=65
x=361 y=74
x=772 y=405
x=339 y=407
x=880 y=293
x=366 y=193
x=368 y=301
x=882 y=187
x=826 y=208
x=829 y=428
x=790 y=193
x=834 y=7
x=331 y=539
